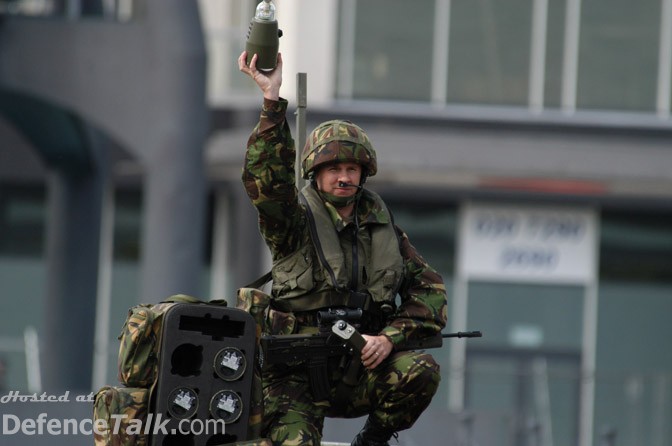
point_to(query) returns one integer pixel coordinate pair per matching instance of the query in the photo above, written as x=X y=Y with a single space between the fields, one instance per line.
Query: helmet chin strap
x=337 y=201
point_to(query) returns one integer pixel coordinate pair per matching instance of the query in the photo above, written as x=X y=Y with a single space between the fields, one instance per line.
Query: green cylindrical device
x=263 y=37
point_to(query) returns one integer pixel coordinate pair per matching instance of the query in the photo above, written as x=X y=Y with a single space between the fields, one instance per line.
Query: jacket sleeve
x=269 y=178
x=423 y=308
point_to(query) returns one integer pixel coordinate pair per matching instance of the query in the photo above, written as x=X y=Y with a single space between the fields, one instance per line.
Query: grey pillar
x=173 y=225
x=174 y=200
x=73 y=232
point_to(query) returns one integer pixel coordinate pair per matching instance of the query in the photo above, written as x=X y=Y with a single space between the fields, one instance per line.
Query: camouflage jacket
x=269 y=179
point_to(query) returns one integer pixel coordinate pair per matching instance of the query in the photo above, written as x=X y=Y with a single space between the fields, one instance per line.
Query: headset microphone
x=344 y=184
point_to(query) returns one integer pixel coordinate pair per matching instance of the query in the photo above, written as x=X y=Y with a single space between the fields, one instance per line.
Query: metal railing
x=538 y=407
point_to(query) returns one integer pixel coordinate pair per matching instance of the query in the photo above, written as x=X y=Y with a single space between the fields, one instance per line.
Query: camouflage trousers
x=393 y=395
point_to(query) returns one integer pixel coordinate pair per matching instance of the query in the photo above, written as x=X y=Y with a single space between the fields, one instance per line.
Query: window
x=119 y=10
x=636 y=247
x=431 y=229
x=489 y=52
x=513 y=53
x=618 y=61
x=633 y=391
x=22 y=217
x=392 y=49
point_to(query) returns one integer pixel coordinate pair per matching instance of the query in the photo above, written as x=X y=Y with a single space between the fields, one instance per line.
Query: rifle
x=337 y=336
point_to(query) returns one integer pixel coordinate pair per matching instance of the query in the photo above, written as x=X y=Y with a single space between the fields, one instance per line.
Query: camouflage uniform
x=395 y=393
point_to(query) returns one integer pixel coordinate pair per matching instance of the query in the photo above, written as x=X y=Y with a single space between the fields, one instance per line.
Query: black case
x=206 y=364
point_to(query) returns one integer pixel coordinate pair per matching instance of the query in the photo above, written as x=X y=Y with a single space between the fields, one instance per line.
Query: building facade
x=523 y=145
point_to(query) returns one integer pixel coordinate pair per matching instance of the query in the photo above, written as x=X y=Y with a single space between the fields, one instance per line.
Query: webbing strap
x=261 y=281
x=323 y=299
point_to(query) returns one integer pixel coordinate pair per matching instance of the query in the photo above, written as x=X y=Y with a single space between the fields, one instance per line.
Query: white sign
x=527 y=243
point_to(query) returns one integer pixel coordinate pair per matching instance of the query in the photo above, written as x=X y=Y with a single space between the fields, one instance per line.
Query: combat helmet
x=338 y=141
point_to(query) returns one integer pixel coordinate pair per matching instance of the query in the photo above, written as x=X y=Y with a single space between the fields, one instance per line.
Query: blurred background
x=525 y=146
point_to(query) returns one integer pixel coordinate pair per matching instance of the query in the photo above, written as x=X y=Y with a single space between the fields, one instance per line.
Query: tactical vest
x=316 y=275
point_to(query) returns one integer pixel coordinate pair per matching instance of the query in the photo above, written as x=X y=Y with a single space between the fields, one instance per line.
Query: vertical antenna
x=302 y=103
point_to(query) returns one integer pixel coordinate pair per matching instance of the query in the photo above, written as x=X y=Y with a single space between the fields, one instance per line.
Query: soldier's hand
x=375 y=351
x=268 y=81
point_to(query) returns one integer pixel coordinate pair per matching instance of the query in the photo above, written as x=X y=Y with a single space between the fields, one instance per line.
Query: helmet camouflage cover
x=338 y=141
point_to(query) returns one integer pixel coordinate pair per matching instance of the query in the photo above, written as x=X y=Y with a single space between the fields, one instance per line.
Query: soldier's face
x=329 y=177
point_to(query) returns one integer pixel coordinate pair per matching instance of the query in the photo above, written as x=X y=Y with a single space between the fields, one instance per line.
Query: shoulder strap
x=261 y=281
x=182 y=298
x=310 y=202
x=186 y=299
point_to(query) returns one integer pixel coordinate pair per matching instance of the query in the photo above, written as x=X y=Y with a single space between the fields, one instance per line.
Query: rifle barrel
x=463 y=334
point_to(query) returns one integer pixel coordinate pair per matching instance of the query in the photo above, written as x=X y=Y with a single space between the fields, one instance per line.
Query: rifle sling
x=261 y=281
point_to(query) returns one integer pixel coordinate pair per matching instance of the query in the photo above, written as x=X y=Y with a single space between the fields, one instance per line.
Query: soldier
x=334 y=244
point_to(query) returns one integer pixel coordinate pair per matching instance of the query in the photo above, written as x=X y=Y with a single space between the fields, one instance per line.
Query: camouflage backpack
x=140 y=339
x=118 y=407
x=115 y=407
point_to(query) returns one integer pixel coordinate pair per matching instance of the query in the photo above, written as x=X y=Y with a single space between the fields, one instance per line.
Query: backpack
x=132 y=403
x=140 y=338
x=139 y=364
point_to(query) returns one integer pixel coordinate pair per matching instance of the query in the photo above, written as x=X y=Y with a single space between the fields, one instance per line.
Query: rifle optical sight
x=328 y=317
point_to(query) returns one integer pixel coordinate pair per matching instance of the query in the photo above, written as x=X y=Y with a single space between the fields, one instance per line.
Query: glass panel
x=618 y=61
x=634 y=386
x=34 y=8
x=431 y=229
x=539 y=393
x=119 y=10
x=491 y=383
x=636 y=247
x=225 y=25
x=22 y=216
x=634 y=320
x=555 y=35
x=527 y=315
x=393 y=48
x=489 y=51
x=127 y=225
x=23 y=276
x=527 y=363
x=92 y=8
x=635 y=407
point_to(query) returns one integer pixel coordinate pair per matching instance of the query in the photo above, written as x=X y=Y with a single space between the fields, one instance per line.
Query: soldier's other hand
x=375 y=351
x=268 y=81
